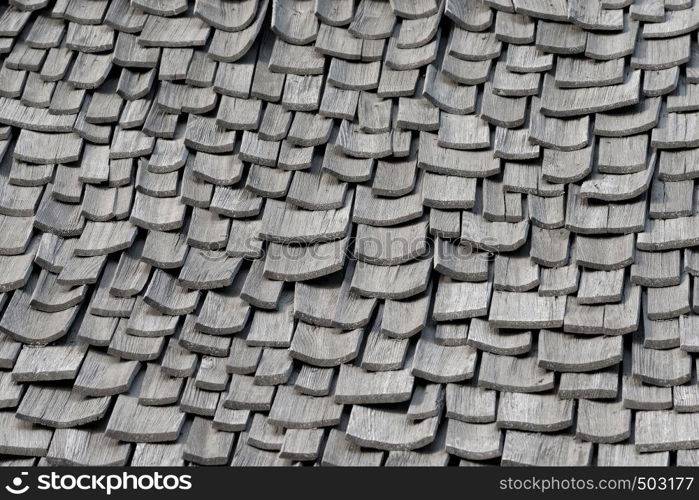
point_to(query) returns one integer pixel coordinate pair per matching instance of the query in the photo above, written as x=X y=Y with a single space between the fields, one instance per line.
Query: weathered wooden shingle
x=559 y=102
x=146 y=424
x=102 y=375
x=389 y=430
x=59 y=407
x=665 y=430
x=662 y=368
x=526 y=310
x=48 y=364
x=443 y=363
x=83 y=447
x=524 y=448
x=512 y=374
x=534 y=412
x=23 y=438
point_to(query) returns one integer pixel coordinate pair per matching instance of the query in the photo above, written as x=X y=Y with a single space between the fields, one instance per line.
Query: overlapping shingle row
x=261 y=232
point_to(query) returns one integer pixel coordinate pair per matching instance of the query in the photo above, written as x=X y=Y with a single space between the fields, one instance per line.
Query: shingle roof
x=372 y=232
